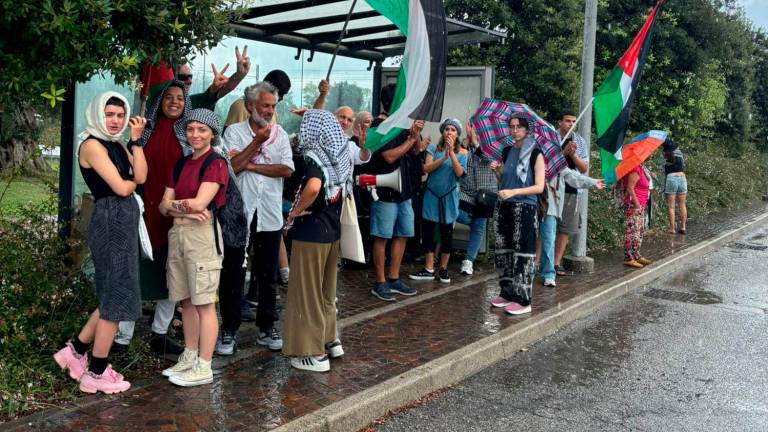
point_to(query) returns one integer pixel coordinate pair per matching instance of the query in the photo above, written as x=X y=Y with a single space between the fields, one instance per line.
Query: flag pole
x=338 y=43
x=578 y=119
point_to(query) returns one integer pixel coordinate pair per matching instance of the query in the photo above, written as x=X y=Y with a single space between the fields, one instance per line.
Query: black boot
x=162 y=344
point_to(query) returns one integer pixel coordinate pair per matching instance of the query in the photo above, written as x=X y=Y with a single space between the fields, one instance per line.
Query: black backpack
x=231 y=216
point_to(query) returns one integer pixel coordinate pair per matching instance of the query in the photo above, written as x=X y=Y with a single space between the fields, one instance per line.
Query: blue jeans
x=547 y=230
x=476 y=233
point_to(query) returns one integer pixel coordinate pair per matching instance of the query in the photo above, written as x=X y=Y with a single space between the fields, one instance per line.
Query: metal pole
x=67 y=163
x=341 y=36
x=585 y=128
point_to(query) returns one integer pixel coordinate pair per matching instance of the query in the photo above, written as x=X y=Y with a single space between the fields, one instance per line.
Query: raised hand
x=361 y=130
x=219 y=79
x=299 y=111
x=324 y=87
x=243 y=61
x=416 y=128
x=137 y=125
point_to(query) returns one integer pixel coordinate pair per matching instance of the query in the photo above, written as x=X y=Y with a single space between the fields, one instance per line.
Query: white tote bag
x=351 y=240
x=146 y=246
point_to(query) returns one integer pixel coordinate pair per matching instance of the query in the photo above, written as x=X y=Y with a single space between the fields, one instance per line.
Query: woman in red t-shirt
x=636 y=190
x=194 y=263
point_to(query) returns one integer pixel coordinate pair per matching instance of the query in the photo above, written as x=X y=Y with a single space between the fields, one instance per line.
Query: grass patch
x=23 y=191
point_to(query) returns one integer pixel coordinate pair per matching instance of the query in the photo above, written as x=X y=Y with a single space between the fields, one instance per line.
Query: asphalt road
x=688 y=352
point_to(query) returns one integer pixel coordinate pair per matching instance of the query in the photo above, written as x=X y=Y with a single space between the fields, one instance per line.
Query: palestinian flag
x=613 y=101
x=421 y=80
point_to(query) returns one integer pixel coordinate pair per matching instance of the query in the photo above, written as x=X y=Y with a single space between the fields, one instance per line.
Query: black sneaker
x=382 y=292
x=162 y=344
x=422 y=275
x=442 y=276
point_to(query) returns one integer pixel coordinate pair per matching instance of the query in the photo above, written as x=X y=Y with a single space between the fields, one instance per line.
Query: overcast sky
x=757 y=11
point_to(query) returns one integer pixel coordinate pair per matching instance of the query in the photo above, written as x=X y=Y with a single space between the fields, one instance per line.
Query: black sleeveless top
x=99 y=188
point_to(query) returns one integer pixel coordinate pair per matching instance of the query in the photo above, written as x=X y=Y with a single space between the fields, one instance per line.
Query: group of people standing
x=214 y=200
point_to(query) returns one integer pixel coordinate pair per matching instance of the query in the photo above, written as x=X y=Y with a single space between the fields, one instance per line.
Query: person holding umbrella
x=521 y=176
x=636 y=187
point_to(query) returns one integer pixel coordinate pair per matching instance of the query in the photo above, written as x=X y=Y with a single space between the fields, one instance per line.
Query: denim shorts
x=391 y=219
x=676 y=185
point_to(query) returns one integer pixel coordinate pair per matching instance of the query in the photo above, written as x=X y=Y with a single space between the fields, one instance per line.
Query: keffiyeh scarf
x=179 y=126
x=323 y=142
x=524 y=162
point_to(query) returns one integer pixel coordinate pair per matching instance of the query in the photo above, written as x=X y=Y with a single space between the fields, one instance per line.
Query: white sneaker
x=311 y=363
x=334 y=349
x=199 y=374
x=466 y=267
x=187 y=359
x=549 y=283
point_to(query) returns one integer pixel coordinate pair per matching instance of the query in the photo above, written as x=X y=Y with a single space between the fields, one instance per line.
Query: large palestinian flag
x=613 y=101
x=421 y=80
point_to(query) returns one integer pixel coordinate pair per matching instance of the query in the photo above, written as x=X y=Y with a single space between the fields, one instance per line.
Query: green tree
x=46 y=46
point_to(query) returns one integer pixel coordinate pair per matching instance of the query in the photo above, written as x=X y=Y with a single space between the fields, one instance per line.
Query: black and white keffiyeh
x=322 y=141
x=179 y=127
x=206 y=117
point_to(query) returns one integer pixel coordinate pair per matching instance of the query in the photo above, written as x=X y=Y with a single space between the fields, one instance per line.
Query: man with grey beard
x=261 y=157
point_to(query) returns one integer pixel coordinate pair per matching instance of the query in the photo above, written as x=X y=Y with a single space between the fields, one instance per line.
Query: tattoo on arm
x=181 y=206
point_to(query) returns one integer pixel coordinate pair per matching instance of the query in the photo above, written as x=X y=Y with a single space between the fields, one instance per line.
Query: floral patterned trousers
x=634 y=219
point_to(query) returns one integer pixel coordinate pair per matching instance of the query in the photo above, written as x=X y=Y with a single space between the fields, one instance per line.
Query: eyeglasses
x=184 y=77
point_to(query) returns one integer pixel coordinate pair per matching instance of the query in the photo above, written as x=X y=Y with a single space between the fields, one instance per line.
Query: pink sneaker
x=68 y=358
x=516 y=309
x=108 y=382
x=500 y=302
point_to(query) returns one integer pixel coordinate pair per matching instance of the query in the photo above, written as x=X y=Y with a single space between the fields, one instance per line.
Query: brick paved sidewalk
x=262 y=391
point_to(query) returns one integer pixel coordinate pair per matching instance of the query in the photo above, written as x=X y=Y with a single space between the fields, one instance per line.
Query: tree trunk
x=18 y=142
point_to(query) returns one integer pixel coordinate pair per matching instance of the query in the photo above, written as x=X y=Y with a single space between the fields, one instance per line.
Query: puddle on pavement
x=688 y=278
x=700 y=297
x=590 y=353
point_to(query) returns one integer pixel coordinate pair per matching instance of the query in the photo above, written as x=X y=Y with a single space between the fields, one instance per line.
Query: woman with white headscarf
x=111 y=173
x=315 y=228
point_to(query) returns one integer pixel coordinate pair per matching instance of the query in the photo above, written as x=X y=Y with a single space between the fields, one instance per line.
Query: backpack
x=231 y=215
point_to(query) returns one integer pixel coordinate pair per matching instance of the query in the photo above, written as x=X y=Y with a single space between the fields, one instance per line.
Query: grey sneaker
x=381 y=291
x=270 y=339
x=398 y=287
x=226 y=344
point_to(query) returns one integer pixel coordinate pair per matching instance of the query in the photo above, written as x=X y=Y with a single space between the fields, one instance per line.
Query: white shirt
x=261 y=193
x=354 y=153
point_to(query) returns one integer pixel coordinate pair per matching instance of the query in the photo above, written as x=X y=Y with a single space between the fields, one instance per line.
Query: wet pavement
x=260 y=391
x=686 y=353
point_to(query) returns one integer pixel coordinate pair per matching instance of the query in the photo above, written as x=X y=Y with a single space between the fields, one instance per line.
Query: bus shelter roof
x=315 y=25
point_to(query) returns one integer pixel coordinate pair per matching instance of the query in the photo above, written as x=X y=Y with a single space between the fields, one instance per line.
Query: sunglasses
x=184 y=77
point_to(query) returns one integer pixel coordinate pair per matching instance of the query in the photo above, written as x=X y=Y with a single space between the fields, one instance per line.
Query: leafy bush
x=44 y=300
x=715 y=182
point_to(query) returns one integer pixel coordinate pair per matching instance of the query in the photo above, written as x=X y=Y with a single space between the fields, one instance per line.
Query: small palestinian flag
x=421 y=80
x=613 y=101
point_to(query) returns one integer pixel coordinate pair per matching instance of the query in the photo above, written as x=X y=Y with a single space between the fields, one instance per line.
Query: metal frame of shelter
x=312 y=25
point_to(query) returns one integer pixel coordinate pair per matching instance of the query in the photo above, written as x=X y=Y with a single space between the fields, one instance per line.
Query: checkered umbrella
x=491 y=123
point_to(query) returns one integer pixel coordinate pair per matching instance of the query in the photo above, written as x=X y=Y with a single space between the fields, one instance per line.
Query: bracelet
x=133 y=143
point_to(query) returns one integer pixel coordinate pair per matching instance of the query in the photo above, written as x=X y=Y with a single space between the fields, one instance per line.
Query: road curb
x=357 y=411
